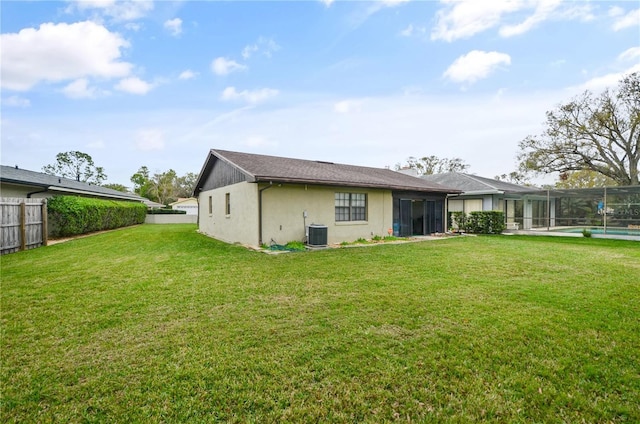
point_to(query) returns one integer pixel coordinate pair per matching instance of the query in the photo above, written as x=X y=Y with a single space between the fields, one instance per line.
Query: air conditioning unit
x=317 y=235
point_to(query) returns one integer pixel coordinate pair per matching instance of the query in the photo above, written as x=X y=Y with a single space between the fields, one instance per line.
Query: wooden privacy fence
x=23 y=224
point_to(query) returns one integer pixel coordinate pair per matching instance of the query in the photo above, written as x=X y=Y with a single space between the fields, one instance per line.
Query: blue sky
x=160 y=83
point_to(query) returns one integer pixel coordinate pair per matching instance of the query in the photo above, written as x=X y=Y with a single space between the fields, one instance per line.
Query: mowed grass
x=162 y=324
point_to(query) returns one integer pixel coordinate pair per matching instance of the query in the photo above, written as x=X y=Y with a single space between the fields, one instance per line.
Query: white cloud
x=370 y=8
x=252 y=97
x=98 y=144
x=224 y=66
x=16 y=101
x=615 y=11
x=348 y=106
x=464 y=18
x=327 y=2
x=174 y=26
x=558 y=63
x=149 y=139
x=133 y=26
x=631 y=19
x=603 y=82
x=543 y=11
x=411 y=30
x=134 y=85
x=187 y=75
x=628 y=59
x=124 y=10
x=475 y=65
x=59 y=52
x=265 y=46
x=630 y=54
x=79 y=89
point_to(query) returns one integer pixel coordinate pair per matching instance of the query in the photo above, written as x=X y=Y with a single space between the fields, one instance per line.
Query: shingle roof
x=259 y=168
x=474 y=183
x=13 y=175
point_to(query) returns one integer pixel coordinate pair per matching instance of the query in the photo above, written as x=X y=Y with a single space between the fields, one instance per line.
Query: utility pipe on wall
x=260 y=211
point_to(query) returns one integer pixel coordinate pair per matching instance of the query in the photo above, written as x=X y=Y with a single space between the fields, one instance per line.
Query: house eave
x=91 y=193
x=283 y=180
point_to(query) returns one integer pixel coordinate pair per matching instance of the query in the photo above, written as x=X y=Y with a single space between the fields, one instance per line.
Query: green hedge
x=71 y=215
x=485 y=222
x=166 y=212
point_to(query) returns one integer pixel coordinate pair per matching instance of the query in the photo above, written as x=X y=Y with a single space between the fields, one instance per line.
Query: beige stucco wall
x=284 y=205
x=241 y=225
x=171 y=219
x=11 y=190
x=282 y=218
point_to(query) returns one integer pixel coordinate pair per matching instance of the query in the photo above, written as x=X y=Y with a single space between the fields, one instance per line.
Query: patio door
x=406 y=227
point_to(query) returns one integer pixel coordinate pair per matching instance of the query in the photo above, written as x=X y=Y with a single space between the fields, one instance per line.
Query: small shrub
x=586 y=233
x=391 y=238
x=376 y=238
x=361 y=241
x=295 y=246
x=459 y=220
x=485 y=222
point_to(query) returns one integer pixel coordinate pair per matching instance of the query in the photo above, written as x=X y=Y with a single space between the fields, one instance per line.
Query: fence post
x=45 y=223
x=23 y=226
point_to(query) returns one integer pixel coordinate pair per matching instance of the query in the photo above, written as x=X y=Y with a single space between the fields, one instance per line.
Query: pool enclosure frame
x=603 y=208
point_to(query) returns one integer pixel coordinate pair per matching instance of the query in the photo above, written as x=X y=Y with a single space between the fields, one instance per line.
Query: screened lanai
x=606 y=210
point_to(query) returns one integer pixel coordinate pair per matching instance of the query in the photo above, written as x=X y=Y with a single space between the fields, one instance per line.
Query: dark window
x=210 y=205
x=227 y=203
x=351 y=206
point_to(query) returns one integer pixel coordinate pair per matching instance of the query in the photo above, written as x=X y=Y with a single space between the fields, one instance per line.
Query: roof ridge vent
x=326 y=162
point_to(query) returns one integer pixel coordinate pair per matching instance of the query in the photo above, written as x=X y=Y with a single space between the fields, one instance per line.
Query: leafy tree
x=76 y=165
x=186 y=185
x=164 y=186
x=434 y=165
x=514 y=177
x=583 y=179
x=599 y=134
x=142 y=184
x=118 y=187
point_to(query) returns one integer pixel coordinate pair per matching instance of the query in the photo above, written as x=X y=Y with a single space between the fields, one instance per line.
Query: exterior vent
x=317 y=235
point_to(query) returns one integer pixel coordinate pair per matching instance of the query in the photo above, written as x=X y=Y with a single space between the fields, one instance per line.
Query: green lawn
x=161 y=324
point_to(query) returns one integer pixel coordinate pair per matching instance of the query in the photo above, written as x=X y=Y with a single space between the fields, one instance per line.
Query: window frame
x=350 y=207
x=227 y=204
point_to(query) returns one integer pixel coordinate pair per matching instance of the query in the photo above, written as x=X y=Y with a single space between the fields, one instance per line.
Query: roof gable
x=263 y=168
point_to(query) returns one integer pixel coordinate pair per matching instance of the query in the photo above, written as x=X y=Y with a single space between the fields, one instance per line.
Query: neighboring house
x=487 y=194
x=255 y=199
x=20 y=183
x=189 y=205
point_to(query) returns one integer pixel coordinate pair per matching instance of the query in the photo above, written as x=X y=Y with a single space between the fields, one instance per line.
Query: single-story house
x=21 y=183
x=486 y=194
x=189 y=205
x=257 y=199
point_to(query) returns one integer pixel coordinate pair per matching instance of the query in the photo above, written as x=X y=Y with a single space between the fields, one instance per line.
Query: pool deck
x=551 y=232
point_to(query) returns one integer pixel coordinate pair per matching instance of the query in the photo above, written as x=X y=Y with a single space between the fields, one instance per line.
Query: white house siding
x=284 y=205
x=189 y=209
x=241 y=225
